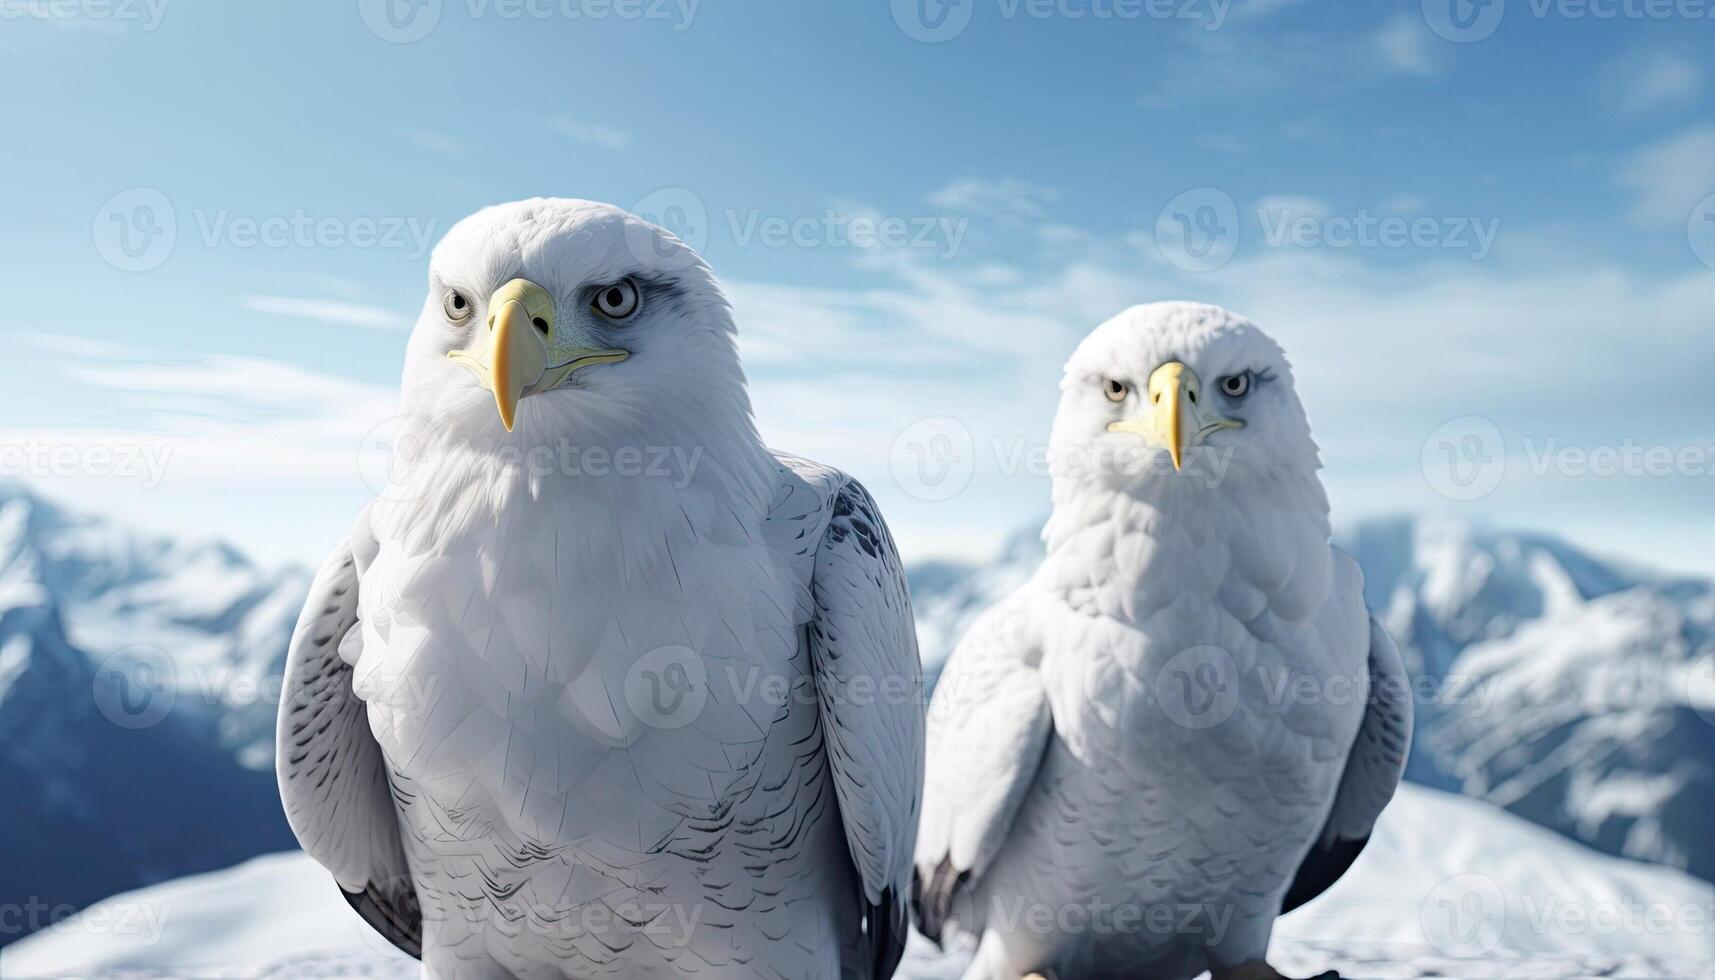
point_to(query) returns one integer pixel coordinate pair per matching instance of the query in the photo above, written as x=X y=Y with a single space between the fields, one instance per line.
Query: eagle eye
x=618 y=301
x=458 y=308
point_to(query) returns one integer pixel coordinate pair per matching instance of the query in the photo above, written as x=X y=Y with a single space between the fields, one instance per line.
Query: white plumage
x=576 y=696
x=1186 y=719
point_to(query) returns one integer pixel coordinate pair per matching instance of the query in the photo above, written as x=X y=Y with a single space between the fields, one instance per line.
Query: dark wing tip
x=889 y=922
x=396 y=917
x=932 y=898
x=1321 y=868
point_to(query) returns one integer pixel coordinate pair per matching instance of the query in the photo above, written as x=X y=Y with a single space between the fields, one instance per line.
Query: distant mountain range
x=135 y=714
x=138 y=684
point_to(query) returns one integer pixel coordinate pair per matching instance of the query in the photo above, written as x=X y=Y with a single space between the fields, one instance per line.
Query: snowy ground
x=1448 y=887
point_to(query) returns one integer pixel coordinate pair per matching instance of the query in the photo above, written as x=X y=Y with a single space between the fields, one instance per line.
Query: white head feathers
x=1197 y=382
x=677 y=398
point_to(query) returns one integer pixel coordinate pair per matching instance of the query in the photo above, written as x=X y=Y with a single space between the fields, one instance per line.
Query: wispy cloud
x=996 y=197
x=435 y=142
x=592 y=134
x=1239 y=63
x=1647 y=79
x=327 y=311
x=1669 y=178
x=1404 y=45
x=1294 y=204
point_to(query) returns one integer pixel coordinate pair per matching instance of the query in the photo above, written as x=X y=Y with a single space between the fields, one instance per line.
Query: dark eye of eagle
x=457 y=308
x=618 y=301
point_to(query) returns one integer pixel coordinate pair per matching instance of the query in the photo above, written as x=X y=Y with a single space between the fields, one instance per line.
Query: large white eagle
x=600 y=686
x=1186 y=721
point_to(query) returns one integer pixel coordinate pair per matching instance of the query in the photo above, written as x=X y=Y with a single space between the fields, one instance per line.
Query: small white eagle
x=1186 y=721
x=600 y=686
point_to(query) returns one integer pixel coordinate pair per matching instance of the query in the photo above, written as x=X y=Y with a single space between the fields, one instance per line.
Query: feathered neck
x=625 y=491
x=1260 y=544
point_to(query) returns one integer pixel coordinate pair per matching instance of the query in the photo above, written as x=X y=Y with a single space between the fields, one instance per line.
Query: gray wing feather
x=990 y=725
x=863 y=651
x=333 y=777
x=1373 y=771
x=1377 y=760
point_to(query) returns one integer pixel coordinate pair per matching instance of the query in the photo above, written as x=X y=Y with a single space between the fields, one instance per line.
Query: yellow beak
x=1166 y=384
x=1174 y=395
x=516 y=350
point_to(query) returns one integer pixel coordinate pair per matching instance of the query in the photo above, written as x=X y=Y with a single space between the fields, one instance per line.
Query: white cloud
x=593 y=134
x=1205 y=66
x=264 y=453
x=327 y=311
x=1647 y=79
x=268 y=453
x=1384 y=355
x=1404 y=45
x=996 y=197
x=1293 y=205
x=1669 y=178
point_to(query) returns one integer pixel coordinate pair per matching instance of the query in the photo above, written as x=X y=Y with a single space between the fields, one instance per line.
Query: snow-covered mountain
x=1575 y=692
x=135 y=711
x=1448 y=887
x=138 y=686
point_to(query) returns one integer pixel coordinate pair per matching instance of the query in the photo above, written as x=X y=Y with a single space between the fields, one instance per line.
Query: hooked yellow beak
x=1174 y=394
x=518 y=347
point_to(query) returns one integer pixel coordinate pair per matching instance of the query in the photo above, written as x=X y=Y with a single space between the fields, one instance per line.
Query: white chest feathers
x=527 y=664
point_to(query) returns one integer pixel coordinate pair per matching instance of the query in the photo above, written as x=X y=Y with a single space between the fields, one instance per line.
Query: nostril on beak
x=1193 y=396
x=541 y=325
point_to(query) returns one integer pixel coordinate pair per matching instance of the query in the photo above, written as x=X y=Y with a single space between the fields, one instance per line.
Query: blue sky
x=1479 y=231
